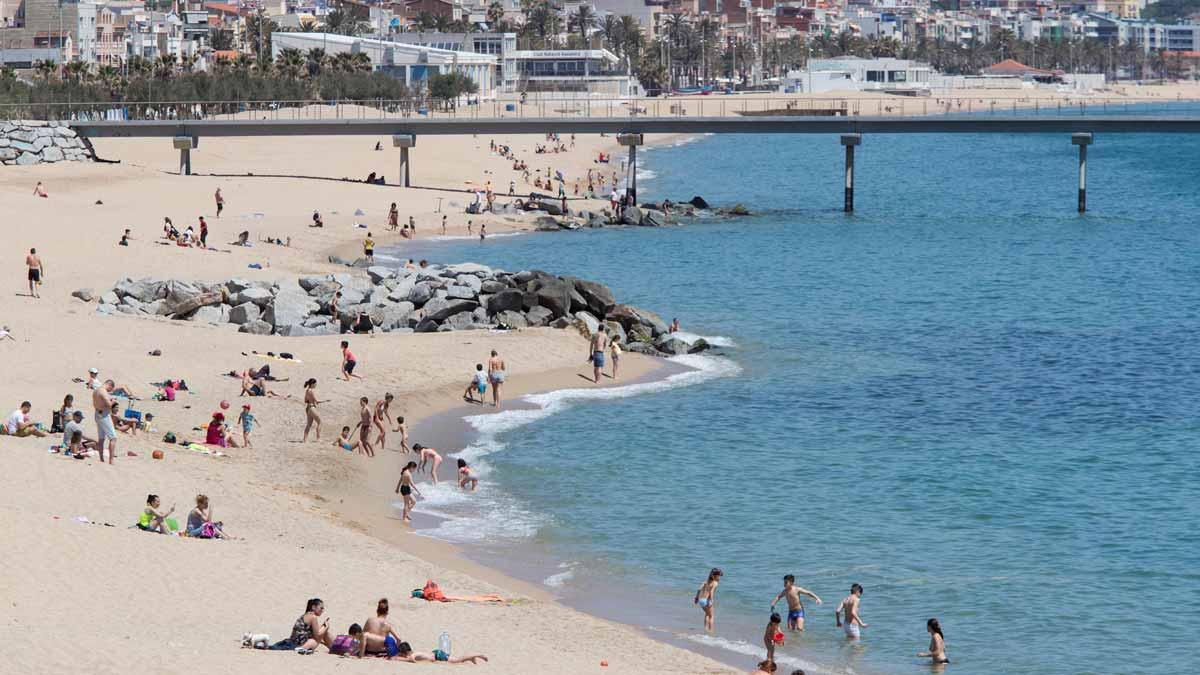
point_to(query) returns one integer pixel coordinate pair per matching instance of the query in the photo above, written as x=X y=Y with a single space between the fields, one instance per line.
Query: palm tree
x=46 y=69
x=495 y=15
x=610 y=30
x=290 y=63
x=77 y=71
x=242 y=64
x=316 y=61
x=164 y=67
x=584 y=19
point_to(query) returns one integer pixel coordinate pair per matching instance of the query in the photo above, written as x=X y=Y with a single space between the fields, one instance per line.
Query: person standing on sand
x=364 y=426
x=405 y=488
x=596 y=351
x=848 y=611
x=102 y=402
x=443 y=223
x=706 y=597
x=795 y=608
x=496 y=376
x=616 y=354
x=36 y=272
x=381 y=417
x=348 y=362
x=393 y=218
x=203 y=233
x=310 y=408
x=402 y=429
x=220 y=202
x=369 y=248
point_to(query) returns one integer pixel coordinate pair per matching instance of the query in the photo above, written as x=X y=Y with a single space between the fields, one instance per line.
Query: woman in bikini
x=937 y=643
x=310 y=408
x=706 y=597
x=429 y=455
x=465 y=477
x=405 y=488
x=381 y=416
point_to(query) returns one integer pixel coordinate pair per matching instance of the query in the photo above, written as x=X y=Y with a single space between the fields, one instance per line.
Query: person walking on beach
x=220 y=202
x=772 y=636
x=706 y=597
x=36 y=272
x=203 y=233
x=393 y=218
x=795 y=608
x=443 y=223
x=937 y=643
x=405 y=488
x=369 y=248
x=381 y=417
x=496 y=376
x=348 y=362
x=364 y=426
x=102 y=402
x=847 y=613
x=596 y=351
x=310 y=409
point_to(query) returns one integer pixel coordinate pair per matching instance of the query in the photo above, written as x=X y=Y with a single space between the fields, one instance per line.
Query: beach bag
x=207 y=531
x=56 y=423
x=418 y=594
x=169 y=438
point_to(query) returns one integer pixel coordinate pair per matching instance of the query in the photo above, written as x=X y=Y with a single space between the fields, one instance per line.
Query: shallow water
x=966 y=397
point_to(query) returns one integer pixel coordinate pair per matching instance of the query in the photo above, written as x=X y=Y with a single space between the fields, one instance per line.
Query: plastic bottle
x=444 y=642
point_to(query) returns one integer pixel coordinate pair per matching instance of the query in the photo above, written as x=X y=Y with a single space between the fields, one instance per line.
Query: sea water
x=968 y=398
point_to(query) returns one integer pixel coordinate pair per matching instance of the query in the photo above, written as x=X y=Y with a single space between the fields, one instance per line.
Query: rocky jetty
x=36 y=142
x=426 y=300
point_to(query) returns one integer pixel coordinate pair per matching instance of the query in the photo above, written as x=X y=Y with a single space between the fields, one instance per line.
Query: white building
x=590 y=71
x=855 y=74
x=85 y=45
x=411 y=64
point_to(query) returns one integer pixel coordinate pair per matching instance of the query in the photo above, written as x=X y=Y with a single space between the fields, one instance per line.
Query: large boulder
x=491 y=286
x=426 y=325
x=698 y=202
x=631 y=215
x=351 y=296
x=470 y=281
x=290 y=308
x=259 y=296
x=183 y=299
x=440 y=309
x=510 y=319
x=255 y=328
x=306 y=331
x=143 y=290
x=84 y=294
x=379 y=296
x=700 y=345
x=630 y=316
x=552 y=207
x=553 y=294
x=474 y=269
x=460 y=321
x=539 y=316
x=237 y=284
x=421 y=293
x=589 y=322
x=506 y=300
x=402 y=288
x=672 y=345
x=394 y=316
x=545 y=224
x=460 y=292
x=615 y=330
x=643 y=348
x=598 y=297
x=653 y=218
x=110 y=298
x=211 y=314
x=378 y=273
x=245 y=313
x=307 y=283
x=652 y=321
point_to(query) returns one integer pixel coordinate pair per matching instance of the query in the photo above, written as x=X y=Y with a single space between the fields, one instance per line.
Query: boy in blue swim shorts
x=478 y=383
x=792 y=592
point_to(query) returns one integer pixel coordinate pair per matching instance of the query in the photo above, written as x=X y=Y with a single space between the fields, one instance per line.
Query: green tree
x=448 y=87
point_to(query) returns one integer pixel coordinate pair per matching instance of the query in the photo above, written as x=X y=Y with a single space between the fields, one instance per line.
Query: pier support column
x=404 y=142
x=850 y=141
x=632 y=141
x=185 y=145
x=1083 y=140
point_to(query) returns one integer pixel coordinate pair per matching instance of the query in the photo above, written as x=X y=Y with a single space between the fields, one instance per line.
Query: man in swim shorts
x=34 y=263
x=598 y=345
x=105 y=430
x=795 y=608
x=848 y=611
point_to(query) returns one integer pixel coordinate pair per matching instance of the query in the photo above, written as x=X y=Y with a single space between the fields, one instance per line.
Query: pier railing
x=684 y=106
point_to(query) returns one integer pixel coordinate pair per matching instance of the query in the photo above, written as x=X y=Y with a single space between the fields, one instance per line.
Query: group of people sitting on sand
x=200 y=522
x=376 y=637
x=189 y=237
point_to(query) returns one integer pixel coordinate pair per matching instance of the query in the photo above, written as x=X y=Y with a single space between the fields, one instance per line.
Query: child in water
x=465 y=477
x=706 y=596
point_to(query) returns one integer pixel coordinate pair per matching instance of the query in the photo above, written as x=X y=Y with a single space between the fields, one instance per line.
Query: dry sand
x=87 y=597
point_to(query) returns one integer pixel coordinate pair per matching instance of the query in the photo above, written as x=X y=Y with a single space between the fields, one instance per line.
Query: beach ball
x=224 y=405
x=157 y=454
x=779 y=638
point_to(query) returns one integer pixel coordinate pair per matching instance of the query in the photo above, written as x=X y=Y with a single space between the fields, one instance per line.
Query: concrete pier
x=1083 y=140
x=404 y=142
x=850 y=141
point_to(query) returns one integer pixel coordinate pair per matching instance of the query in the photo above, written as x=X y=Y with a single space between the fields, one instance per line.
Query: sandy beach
x=310 y=519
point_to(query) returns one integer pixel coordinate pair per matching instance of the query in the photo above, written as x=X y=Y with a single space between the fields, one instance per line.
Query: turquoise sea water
x=966 y=397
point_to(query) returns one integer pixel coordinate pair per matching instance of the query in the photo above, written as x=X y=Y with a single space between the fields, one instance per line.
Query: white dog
x=256 y=640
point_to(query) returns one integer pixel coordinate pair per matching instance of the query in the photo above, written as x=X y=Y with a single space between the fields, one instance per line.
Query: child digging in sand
x=478 y=383
x=343 y=441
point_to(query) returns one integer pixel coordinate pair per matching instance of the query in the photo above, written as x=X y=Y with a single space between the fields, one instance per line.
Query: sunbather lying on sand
x=256 y=387
x=433 y=593
x=406 y=653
